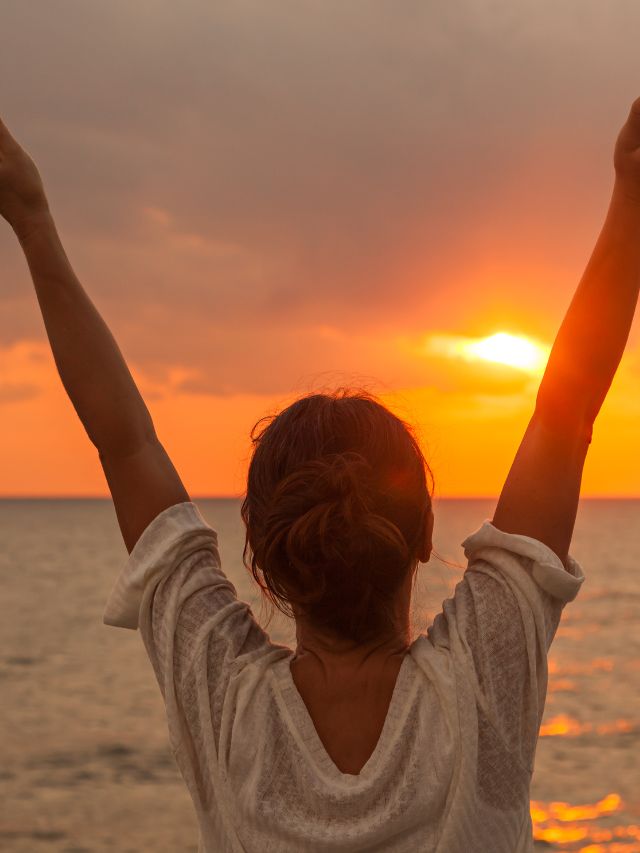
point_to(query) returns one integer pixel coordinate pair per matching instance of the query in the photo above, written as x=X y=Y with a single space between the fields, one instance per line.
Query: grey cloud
x=13 y=392
x=364 y=158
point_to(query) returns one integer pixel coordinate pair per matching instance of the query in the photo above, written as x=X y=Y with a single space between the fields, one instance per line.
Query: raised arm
x=139 y=473
x=540 y=495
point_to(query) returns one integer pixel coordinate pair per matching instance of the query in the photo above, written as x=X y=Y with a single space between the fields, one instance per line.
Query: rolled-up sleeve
x=533 y=573
x=500 y=623
x=171 y=537
x=195 y=630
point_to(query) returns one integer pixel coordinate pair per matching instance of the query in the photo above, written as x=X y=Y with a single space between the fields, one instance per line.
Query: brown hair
x=337 y=495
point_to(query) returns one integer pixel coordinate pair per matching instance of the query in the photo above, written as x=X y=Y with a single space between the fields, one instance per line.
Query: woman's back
x=349 y=713
x=397 y=800
x=451 y=766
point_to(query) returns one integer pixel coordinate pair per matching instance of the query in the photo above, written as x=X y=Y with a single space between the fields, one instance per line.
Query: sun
x=512 y=350
x=516 y=351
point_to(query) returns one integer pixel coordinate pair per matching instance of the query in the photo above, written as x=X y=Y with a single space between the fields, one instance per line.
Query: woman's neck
x=335 y=655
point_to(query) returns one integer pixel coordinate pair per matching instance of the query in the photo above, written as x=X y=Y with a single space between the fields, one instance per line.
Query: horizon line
x=455 y=497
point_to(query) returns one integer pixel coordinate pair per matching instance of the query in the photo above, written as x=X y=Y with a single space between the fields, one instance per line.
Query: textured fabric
x=452 y=768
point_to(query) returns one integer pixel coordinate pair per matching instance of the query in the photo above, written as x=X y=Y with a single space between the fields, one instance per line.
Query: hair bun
x=323 y=524
x=341 y=476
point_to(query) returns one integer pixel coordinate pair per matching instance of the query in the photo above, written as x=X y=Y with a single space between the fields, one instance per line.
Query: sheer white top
x=452 y=768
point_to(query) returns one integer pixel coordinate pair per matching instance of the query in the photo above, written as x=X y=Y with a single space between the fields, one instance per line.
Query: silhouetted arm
x=540 y=496
x=139 y=473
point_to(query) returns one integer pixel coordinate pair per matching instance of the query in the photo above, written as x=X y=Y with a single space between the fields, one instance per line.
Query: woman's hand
x=626 y=158
x=22 y=197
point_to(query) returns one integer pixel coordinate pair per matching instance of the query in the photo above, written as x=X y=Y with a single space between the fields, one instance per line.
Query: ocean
x=85 y=763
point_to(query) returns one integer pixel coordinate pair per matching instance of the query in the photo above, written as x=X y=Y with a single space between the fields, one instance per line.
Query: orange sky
x=270 y=203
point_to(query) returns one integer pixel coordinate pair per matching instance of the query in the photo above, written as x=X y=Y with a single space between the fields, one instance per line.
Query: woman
x=360 y=739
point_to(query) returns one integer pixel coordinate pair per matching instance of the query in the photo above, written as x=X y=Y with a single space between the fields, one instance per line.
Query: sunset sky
x=269 y=198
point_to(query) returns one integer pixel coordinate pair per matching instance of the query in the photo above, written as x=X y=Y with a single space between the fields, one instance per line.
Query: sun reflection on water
x=563 y=724
x=608 y=825
x=578 y=632
x=562 y=685
x=575 y=668
x=561 y=824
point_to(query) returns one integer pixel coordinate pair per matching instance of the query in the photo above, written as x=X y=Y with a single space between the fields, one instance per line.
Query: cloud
x=13 y=392
x=229 y=178
x=25 y=371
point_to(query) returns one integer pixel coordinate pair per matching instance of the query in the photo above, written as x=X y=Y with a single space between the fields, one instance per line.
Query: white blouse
x=452 y=768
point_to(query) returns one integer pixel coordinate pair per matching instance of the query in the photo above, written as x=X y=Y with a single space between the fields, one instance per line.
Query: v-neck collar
x=307 y=736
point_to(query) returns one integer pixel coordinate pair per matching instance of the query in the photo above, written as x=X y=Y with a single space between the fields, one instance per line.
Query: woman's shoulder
x=432 y=660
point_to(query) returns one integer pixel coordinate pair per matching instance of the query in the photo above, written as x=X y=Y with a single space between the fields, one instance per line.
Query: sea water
x=85 y=762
